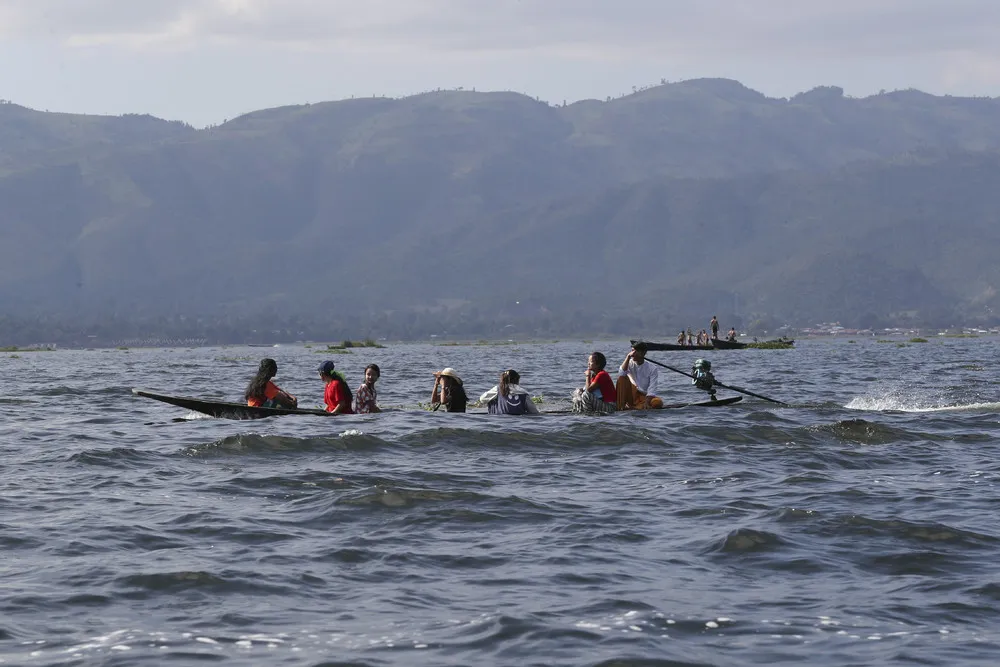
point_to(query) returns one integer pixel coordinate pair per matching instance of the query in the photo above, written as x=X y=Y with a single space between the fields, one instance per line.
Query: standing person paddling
x=365 y=397
x=336 y=394
x=598 y=394
x=715 y=327
x=263 y=393
x=448 y=391
x=637 y=382
x=507 y=397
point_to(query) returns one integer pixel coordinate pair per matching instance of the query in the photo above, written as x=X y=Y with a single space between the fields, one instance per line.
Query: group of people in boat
x=337 y=394
x=703 y=338
x=635 y=389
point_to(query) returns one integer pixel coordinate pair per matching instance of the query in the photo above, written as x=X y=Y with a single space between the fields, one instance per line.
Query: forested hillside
x=485 y=214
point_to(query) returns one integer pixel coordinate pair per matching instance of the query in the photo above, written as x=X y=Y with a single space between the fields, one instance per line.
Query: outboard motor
x=703 y=378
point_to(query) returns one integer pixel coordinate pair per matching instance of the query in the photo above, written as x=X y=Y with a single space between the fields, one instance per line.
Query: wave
x=256 y=443
x=864 y=432
x=747 y=540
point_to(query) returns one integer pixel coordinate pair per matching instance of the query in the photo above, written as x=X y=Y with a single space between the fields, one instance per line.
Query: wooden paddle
x=724 y=386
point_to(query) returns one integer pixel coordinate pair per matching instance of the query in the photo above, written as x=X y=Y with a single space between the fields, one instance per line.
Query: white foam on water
x=898 y=401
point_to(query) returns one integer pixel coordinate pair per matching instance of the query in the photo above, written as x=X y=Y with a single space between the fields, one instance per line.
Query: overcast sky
x=203 y=61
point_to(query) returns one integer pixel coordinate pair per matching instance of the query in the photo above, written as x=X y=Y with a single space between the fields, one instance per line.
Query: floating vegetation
x=122 y=347
x=333 y=349
x=852 y=341
x=961 y=335
x=972 y=367
x=901 y=345
x=770 y=345
x=918 y=339
x=884 y=340
x=234 y=358
x=15 y=348
x=537 y=400
x=348 y=344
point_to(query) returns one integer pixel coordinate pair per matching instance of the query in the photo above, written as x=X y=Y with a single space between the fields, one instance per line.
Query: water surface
x=857 y=526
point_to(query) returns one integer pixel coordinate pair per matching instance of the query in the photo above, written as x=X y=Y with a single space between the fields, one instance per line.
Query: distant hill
x=443 y=210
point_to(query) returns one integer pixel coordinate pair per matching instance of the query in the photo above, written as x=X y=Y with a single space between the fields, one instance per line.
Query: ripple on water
x=811 y=535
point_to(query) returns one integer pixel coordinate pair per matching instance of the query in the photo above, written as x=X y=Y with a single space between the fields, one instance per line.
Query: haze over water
x=857 y=526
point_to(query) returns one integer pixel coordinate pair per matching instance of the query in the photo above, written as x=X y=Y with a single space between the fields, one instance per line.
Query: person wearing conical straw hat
x=448 y=391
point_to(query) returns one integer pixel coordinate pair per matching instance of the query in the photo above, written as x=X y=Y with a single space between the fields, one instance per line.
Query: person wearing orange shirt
x=263 y=393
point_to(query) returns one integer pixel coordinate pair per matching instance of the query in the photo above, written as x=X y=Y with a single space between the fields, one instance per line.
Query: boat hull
x=224 y=409
x=720 y=344
x=673 y=347
x=717 y=344
x=705 y=404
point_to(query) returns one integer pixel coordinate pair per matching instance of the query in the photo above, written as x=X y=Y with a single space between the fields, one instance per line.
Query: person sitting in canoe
x=598 y=395
x=336 y=395
x=731 y=336
x=448 y=391
x=263 y=393
x=507 y=397
x=636 y=387
x=365 y=397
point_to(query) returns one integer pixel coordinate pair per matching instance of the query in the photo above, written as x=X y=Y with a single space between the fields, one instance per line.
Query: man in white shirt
x=637 y=382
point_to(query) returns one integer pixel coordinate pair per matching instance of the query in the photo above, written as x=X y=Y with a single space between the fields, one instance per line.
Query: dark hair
x=374 y=367
x=337 y=377
x=508 y=378
x=640 y=347
x=267 y=370
x=456 y=391
x=601 y=360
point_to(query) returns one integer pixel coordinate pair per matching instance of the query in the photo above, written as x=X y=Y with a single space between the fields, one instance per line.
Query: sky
x=205 y=61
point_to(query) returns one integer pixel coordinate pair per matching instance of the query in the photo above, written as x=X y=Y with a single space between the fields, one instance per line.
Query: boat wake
x=911 y=404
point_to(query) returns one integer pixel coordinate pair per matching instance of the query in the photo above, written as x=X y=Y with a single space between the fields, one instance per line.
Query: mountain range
x=488 y=213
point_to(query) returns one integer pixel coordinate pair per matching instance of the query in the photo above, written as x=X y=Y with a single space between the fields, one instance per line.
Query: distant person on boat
x=336 y=395
x=507 y=397
x=365 y=397
x=715 y=327
x=263 y=393
x=731 y=336
x=690 y=340
x=598 y=394
x=702 y=376
x=681 y=338
x=636 y=387
x=449 y=391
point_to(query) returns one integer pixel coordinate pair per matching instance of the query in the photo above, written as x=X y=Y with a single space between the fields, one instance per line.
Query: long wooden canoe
x=673 y=347
x=224 y=409
x=721 y=344
x=717 y=344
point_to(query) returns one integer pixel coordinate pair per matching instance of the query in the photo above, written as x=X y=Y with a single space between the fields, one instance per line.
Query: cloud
x=709 y=29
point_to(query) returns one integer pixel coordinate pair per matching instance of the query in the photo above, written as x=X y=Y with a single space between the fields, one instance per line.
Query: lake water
x=857 y=526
